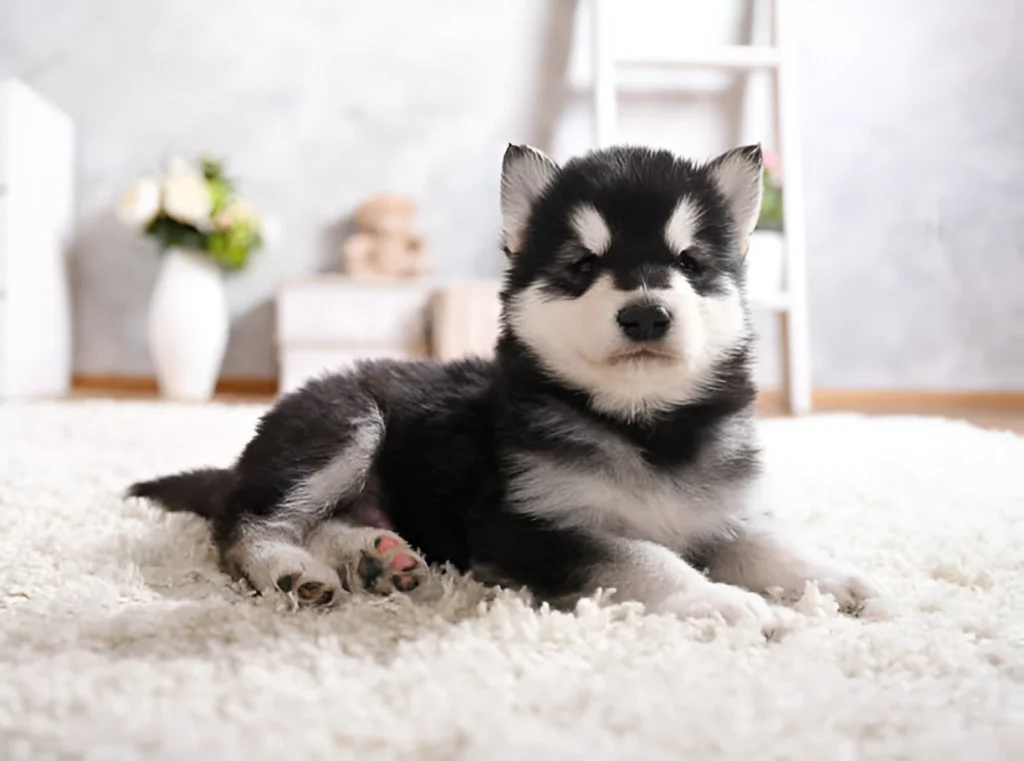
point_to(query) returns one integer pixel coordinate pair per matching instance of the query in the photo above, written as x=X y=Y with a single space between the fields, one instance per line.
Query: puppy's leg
x=665 y=583
x=271 y=548
x=765 y=555
x=272 y=561
x=562 y=565
x=311 y=500
x=368 y=559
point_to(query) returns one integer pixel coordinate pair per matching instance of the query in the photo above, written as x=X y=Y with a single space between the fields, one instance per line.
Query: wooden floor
x=1009 y=418
x=998 y=420
x=150 y=396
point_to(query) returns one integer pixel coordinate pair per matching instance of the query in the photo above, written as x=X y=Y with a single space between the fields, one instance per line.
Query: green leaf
x=170 y=232
x=213 y=169
x=771 y=205
x=220 y=195
x=233 y=247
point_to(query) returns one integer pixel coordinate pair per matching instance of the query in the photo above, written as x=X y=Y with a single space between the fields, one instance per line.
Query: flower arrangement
x=195 y=208
x=771 y=202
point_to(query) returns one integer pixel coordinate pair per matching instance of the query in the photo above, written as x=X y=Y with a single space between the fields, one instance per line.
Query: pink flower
x=773 y=163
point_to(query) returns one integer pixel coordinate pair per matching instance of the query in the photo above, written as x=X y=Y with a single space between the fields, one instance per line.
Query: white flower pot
x=188 y=325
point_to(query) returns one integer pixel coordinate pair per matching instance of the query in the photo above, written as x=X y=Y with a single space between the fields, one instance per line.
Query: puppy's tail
x=204 y=492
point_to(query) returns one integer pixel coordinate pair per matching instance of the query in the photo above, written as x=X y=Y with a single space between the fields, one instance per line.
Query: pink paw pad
x=403 y=561
x=390 y=566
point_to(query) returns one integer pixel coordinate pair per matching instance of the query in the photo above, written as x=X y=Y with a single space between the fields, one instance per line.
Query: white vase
x=188 y=325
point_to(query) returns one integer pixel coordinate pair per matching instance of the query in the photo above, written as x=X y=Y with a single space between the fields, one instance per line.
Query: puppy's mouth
x=643 y=355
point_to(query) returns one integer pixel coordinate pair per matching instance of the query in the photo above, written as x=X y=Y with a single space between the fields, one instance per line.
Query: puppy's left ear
x=525 y=174
x=738 y=174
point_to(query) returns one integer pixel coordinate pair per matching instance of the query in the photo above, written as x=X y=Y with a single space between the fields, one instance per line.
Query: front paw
x=736 y=606
x=849 y=588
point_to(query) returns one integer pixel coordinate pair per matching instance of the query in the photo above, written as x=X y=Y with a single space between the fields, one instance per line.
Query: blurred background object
x=911 y=155
x=385 y=243
x=36 y=221
x=203 y=229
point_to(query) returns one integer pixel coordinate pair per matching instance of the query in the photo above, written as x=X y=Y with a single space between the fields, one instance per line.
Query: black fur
x=442 y=413
x=452 y=431
x=204 y=491
x=635 y=190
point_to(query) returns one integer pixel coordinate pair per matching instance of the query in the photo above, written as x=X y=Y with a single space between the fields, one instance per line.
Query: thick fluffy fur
x=610 y=444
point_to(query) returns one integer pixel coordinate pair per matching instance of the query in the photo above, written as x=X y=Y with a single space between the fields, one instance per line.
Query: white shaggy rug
x=120 y=640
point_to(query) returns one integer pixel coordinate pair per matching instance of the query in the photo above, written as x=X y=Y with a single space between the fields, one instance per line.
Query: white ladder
x=791 y=304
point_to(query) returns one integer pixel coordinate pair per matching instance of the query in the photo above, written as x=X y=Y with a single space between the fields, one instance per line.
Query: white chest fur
x=627 y=498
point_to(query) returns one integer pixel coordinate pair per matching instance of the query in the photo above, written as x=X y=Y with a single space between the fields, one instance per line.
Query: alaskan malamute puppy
x=610 y=444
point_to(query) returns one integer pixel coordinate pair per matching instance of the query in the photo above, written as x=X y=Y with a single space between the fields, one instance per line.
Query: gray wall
x=915 y=174
x=912 y=114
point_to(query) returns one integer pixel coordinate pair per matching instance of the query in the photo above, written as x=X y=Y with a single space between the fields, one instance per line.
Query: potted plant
x=765 y=252
x=204 y=229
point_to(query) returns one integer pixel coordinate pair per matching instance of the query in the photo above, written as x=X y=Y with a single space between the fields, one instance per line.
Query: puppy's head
x=626 y=271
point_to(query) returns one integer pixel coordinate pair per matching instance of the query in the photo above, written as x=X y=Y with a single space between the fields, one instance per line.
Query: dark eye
x=688 y=264
x=584 y=265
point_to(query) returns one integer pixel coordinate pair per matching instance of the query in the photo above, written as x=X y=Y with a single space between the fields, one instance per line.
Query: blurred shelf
x=770 y=302
x=742 y=57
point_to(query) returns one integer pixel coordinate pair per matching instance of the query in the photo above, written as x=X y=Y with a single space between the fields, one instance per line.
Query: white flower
x=140 y=205
x=187 y=197
x=179 y=165
x=235 y=212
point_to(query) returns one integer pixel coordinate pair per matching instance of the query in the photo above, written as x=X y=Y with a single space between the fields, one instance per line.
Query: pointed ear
x=738 y=174
x=525 y=175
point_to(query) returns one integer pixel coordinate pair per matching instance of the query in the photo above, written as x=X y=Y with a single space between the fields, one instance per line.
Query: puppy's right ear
x=525 y=175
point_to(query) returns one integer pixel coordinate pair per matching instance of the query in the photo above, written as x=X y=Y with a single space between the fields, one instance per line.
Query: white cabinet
x=36 y=210
x=466 y=320
x=327 y=323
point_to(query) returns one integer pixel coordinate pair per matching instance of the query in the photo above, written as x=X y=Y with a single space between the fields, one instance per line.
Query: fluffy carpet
x=119 y=639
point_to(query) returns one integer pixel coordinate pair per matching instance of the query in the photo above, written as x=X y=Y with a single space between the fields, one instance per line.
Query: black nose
x=644 y=322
